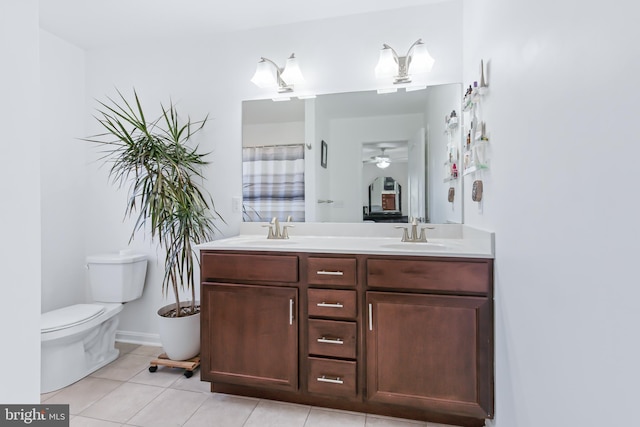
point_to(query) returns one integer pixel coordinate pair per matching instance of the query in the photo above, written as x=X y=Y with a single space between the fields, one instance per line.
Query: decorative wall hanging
x=476 y=192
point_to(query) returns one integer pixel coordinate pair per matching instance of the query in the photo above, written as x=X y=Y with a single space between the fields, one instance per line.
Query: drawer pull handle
x=330 y=304
x=290 y=311
x=325 y=340
x=324 y=379
x=329 y=273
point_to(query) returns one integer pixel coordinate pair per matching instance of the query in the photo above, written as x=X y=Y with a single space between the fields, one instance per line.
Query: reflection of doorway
x=397 y=168
x=385 y=201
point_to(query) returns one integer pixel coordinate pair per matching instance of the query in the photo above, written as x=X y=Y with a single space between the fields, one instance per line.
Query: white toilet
x=79 y=339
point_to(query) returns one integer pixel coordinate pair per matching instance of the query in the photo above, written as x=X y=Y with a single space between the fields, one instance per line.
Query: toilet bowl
x=79 y=339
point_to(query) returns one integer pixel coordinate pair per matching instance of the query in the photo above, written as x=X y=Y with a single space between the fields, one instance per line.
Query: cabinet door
x=250 y=335
x=430 y=352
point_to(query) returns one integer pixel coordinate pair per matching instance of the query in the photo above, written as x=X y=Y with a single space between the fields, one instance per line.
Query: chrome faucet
x=274 y=228
x=414 y=236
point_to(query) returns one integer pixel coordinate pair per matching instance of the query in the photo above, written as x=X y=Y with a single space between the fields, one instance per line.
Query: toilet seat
x=69 y=316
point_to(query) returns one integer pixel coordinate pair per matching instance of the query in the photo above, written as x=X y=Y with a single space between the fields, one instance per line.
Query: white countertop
x=449 y=240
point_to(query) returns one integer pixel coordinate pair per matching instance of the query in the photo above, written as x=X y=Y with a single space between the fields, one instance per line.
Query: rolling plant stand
x=188 y=365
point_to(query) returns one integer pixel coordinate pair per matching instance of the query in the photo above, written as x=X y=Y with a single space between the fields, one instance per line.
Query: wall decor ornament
x=476 y=192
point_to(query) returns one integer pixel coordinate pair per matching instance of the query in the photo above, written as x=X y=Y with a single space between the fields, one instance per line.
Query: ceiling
x=97 y=23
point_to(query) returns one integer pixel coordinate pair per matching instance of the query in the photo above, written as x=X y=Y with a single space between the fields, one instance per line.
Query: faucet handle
x=289 y=218
x=285 y=232
x=405 y=233
x=270 y=234
x=423 y=234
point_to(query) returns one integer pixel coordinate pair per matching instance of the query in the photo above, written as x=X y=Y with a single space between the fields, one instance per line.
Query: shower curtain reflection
x=273 y=182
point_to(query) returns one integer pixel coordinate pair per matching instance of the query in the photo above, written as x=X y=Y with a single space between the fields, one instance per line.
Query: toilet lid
x=69 y=316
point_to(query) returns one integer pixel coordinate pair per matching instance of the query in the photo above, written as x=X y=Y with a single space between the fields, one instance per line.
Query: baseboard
x=140 y=338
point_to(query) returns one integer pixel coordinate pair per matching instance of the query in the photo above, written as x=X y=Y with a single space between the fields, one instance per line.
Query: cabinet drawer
x=331 y=271
x=248 y=267
x=332 y=338
x=332 y=377
x=334 y=303
x=449 y=276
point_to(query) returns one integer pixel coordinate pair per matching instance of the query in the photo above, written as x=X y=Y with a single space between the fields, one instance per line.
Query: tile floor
x=125 y=393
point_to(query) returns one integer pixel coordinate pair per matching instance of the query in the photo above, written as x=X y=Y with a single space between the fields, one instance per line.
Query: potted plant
x=155 y=160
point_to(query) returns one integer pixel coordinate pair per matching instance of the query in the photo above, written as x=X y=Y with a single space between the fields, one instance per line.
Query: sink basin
x=414 y=246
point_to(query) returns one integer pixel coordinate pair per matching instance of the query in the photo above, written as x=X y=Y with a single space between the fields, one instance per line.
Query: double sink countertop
x=445 y=240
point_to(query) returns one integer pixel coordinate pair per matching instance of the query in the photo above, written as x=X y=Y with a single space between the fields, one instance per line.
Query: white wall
x=62 y=169
x=20 y=207
x=213 y=77
x=282 y=133
x=561 y=197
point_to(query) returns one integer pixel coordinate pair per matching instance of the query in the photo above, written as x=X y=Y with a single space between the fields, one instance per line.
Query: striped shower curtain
x=273 y=182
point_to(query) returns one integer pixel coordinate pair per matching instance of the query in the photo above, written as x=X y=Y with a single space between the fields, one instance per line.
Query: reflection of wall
x=440 y=102
x=273 y=134
x=319 y=129
x=345 y=157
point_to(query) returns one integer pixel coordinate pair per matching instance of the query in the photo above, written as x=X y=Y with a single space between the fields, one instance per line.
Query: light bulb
x=421 y=60
x=292 y=74
x=263 y=77
x=387 y=65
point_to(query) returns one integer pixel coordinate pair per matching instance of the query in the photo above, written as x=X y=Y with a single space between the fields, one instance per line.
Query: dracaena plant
x=163 y=172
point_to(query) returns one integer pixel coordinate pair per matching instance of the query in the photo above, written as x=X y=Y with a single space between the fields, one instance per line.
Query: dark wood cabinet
x=404 y=336
x=250 y=335
x=430 y=351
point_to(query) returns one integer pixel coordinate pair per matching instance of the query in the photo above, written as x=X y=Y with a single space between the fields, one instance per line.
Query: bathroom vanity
x=355 y=322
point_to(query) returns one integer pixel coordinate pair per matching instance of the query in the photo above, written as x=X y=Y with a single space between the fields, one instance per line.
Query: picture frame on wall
x=323 y=154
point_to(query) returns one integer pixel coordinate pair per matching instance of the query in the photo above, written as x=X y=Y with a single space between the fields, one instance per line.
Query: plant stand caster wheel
x=188 y=365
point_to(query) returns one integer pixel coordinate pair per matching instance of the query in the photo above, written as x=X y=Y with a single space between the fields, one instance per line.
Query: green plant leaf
x=160 y=170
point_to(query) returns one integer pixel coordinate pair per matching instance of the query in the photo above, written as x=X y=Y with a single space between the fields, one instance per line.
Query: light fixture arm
x=413 y=45
x=416 y=54
x=395 y=54
x=282 y=85
x=403 y=64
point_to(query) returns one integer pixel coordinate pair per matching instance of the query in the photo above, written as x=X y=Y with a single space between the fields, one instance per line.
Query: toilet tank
x=117 y=277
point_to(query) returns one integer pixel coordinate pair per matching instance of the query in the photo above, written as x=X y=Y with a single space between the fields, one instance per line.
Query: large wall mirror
x=327 y=159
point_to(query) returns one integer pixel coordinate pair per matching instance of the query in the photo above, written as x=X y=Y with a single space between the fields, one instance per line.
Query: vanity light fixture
x=417 y=60
x=284 y=78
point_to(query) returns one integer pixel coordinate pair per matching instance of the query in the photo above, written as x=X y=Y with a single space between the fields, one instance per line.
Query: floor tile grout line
x=251 y=413
x=80 y=414
x=194 y=412
x=307 y=417
x=148 y=403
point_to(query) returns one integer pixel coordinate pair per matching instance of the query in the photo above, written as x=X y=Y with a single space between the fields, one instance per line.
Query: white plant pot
x=180 y=336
